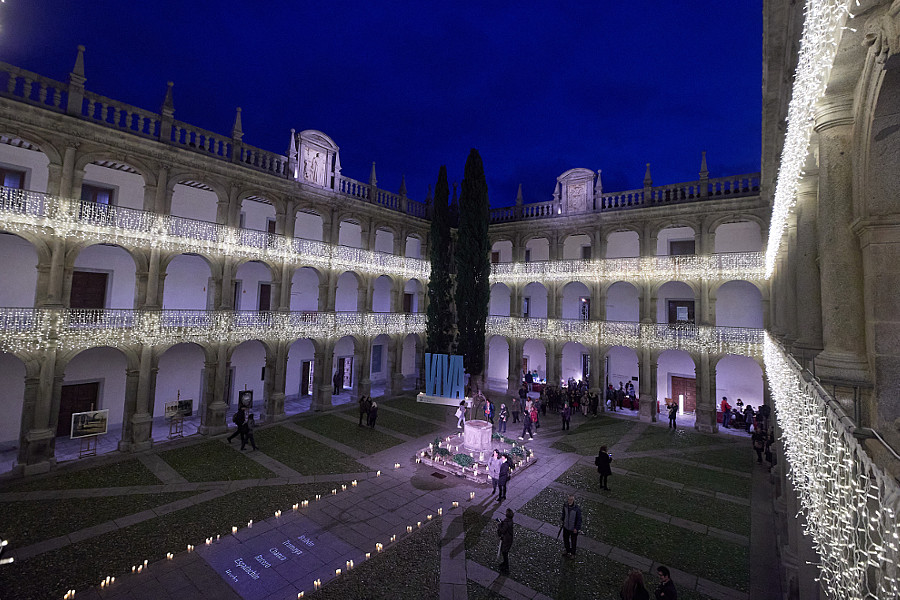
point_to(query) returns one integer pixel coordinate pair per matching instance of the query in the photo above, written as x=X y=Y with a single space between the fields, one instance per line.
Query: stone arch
x=23 y=256
x=681 y=364
x=576 y=299
x=568 y=244
x=623 y=301
x=146 y=170
x=41 y=143
x=186 y=286
x=350 y=231
x=298 y=352
x=411 y=357
x=382 y=290
x=305 y=289
x=180 y=376
x=622 y=364
x=622 y=241
x=202 y=182
x=538 y=295
x=504 y=249
x=675 y=290
x=123 y=287
x=675 y=222
x=738 y=377
x=13 y=373
x=385 y=238
x=311 y=226
x=571 y=363
x=410 y=244
x=534 y=353
x=252 y=292
x=737 y=303
x=735 y=243
x=258 y=208
x=345 y=299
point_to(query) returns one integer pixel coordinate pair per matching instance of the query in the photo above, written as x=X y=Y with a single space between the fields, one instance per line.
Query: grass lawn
x=587 y=439
x=409 y=570
x=429 y=411
x=740 y=458
x=363 y=439
x=82 y=565
x=214 y=461
x=689 y=475
x=658 y=438
x=31 y=521
x=405 y=424
x=661 y=498
x=683 y=549
x=304 y=455
x=118 y=474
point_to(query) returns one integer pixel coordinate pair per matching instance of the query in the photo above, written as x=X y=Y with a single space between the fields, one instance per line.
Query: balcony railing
x=711 y=267
x=37 y=212
x=851 y=505
x=37 y=329
x=744 y=341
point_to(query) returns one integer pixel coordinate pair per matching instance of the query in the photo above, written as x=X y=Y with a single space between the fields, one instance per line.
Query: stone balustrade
x=37 y=329
x=713 y=267
x=39 y=213
x=695 y=339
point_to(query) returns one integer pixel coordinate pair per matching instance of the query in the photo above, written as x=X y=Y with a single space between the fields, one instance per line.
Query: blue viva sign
x=444 y=376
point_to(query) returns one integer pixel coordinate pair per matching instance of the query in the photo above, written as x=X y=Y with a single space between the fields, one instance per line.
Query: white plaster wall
x=540 y=249
x=250 y=274
x=248 y=360
x=120 y=266
x=378 y=373
x=129 y=187
x=538 y=294
x=12 y=382
x=381 y=294
x=34 y=164
x=410 y=364
x=498 y=360
x=504 y=247
x=622 y=302
x=108 y=366
x=571 y=361
x=744 y=236
x=187 y=277
x=193 y=203
x=19 y=265
x=573 y=244
x=413 y=247
x=257 y=214
x=499 y=300
x=673 y=233
x=305 y=290
x=308 y=226
x=739 y=377
x=180 y=369
x=739 y=304
x=384 y=241
x=536 y=354
x=674 y=290
x=571 y=300
x=300 y=351
x=413 y=287
x=622 y=365
x=346 y=293
x=623 y=244
x=350 y=234
x=677 y=363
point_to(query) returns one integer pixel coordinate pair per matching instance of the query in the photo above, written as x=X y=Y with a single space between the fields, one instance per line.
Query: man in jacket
x=238 y=419
x=726 y=412
x=505 y=533
x=570 y=520
x=503 y=478
x=666 y=589
x=494 y=463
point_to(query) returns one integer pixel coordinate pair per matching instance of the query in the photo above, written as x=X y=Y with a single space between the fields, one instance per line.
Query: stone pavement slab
x=161 y=468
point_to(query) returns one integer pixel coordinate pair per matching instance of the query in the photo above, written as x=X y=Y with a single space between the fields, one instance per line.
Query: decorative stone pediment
x=317 y=158
x=575 y=191
x=882 y=33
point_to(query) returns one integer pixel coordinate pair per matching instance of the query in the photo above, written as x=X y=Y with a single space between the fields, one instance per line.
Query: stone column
x=152 y=299
x=322 y=373
x=705 y=420
x=215 y=400
x=806 y=269
x=598 y=301
x=647 y=367
x=56 y=276
x=840 y=260
x=363 y=385
x=791 y=332
x=703 y=316
x=327 y=292
x=648 y=302
x=68 y=170
x=276 y=379
x=36 y=439
x=554 y=366
x=514 y=376
x=142 y=418
x=648 y=241
x=132 y=379
x=284 y=301
x=515 y=300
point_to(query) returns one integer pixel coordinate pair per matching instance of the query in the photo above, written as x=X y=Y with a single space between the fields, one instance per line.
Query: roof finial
x=648 y=181
x=168 y=105
x=78 y=69
x=373 y=181
x=237 y=131
x=704 y=171
x=403 y=185
x=519 y=199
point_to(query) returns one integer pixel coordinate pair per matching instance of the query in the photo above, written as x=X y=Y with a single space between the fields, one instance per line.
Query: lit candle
x=377 y=473
x=455 y=505
x=296 y=506
x=234 y=529
x=250 y=523
x=134 y=568
x=353 y=483
x=409 y=529
x=368 y=554
x=396 y=465
x=471 y=495
x=343 y=487
x=318 y=497
x=337 y=572
x=299 y=595
x=428 y=517
x=334 y=491
x=393 y=538
x=378 y=547
x=418 y=523
x=440 y=511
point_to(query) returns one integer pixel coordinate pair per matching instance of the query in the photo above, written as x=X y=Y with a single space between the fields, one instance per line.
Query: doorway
x=681 y=311
x=265 y=297
x=345 y=366
x=88 y=289
x=685 y=387
x=585 y=367
x=306 y=378
x=75 y=398
x=585 y=309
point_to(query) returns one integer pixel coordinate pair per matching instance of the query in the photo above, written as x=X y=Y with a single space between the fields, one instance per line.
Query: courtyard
x=681 y=499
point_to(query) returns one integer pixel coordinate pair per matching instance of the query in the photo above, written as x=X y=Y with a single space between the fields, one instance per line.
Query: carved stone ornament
x=882 y=33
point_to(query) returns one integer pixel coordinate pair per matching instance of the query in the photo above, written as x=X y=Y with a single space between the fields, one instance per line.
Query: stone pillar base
x=842 y=367
x=215 y=419
x=705 y=420
x=321 y=399
x=647 y=410
x=37 y=452
x=38 y=468
x=396 y=387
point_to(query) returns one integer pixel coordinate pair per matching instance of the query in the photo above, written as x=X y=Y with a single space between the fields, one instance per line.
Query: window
x=97 y=194
x=586 y=253
x=526 y=307
x=527 y=254
x=12 y=178
x=376 y=358
x=270 y=225
x=495 y=257
x=681 y=247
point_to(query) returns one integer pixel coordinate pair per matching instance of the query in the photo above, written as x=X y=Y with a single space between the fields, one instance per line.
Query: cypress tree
x=439 y=324
x=473 y=266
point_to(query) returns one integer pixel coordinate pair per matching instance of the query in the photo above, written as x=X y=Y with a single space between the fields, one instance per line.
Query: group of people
x=624 y=397
x=744 y=417
x=368 y=408
x=245 y=426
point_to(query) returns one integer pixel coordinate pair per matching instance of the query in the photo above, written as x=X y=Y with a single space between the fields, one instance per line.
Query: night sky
x=537 y=88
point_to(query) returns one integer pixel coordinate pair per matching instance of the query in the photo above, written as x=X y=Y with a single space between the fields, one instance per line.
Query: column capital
x=834 y=112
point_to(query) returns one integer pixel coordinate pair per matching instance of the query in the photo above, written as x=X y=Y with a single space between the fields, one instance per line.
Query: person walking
x=611 y=398
x=633 y=588
x=489 y=411
x=666 y=588
x=363 y=409
x=337 y=380
x=238 y=419
x=726 y=412
x=748 y=416
x=502 y=418
x=759 y=438
x=570 y=521
x=673 y=412
x=503 y=477
x=566 y=416
x=494 y=469
x=505 y=533
x=763 y=415
x=526 y=426
x=373 y=414
x=248 y=426
x=515 y=409
x=603 y=461
x=461 y=415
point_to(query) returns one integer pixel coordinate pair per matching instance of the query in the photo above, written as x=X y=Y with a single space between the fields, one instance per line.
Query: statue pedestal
x=477 y=436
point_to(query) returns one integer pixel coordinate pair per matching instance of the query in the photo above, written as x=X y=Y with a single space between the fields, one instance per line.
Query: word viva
x=444 y=376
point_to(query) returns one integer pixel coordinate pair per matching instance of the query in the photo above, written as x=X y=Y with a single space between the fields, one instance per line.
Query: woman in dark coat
x=602 y=461
x=373 y=414
x=505 y=533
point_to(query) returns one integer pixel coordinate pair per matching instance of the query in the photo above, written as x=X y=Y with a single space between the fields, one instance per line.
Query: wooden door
x=305 y=379
x=265 y=296
x=407 y=303
x=79 y=397
x=88 y=289
x=340 y=369
x=688 y=388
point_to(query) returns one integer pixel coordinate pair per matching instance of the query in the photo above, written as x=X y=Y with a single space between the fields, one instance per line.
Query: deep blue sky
x=538 y=88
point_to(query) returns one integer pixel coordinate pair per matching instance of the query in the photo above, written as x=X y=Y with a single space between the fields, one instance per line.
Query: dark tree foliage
x=473 y=266
x=439 y=325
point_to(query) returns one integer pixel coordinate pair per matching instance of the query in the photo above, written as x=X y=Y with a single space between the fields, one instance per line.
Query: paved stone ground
x=345 y=526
